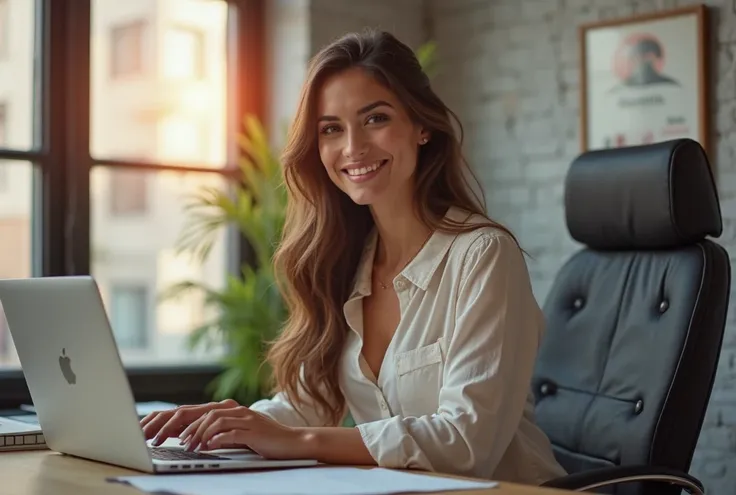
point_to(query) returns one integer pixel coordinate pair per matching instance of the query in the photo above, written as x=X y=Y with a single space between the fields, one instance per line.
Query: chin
x=366 y=195
x=362 y=199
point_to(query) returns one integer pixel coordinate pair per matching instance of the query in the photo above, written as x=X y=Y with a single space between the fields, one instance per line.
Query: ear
x=424 y=137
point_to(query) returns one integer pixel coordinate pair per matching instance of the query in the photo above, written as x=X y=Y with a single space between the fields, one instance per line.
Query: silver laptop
x=78 y=384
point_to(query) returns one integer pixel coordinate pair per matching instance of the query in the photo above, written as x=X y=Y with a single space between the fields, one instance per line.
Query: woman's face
x=367 y=142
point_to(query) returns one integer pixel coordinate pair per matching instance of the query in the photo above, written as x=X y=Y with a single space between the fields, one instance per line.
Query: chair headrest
x=655 y=196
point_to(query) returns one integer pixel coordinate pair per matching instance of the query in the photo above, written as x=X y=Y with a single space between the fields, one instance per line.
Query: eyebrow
x=365 y=109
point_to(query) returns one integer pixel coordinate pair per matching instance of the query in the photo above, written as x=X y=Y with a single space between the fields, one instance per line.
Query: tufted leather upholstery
x=635 y=319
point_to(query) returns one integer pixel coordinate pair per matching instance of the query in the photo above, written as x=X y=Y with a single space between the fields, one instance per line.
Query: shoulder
x=483 y=243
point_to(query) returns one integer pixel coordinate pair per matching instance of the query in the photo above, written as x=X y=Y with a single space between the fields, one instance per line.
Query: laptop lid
x=73 y=369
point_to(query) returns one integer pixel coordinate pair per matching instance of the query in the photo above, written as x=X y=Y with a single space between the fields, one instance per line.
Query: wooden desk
x=44 y=472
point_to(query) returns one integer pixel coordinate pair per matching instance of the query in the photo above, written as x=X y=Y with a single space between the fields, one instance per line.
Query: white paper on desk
x=301 y=481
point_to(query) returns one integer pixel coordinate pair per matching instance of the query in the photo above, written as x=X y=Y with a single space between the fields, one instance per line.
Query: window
x=127 y=49
x=129 y=315
x=73 y=67
x=184 y=53
x=155 y=132
x=128 y=192
x=181 y=140
x=4 y=29
x=19 y=164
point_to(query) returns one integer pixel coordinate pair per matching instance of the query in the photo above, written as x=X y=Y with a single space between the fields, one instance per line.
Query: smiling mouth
x=365 y=172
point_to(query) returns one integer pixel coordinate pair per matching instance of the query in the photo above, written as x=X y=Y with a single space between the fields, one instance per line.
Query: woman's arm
x=333 y=445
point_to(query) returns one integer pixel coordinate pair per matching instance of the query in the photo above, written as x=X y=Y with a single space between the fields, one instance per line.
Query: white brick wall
x=510 y=70
x=332 y=18
x=288 y=54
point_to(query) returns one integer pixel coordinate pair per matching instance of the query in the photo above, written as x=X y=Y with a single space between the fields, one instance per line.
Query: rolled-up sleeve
x=487 y=374
x=280 y=408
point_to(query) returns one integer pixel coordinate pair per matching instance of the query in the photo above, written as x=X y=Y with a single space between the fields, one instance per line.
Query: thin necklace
x=380 y=282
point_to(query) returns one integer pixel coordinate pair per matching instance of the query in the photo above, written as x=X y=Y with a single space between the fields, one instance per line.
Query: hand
x=165 y=424
x=240 y=427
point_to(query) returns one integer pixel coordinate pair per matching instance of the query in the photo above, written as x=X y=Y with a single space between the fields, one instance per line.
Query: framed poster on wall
x=643 y=79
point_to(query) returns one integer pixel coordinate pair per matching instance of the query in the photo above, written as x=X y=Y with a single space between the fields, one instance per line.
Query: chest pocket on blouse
x=419 y=378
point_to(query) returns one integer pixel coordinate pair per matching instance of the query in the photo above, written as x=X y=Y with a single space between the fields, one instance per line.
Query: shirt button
x=384 y=406
x=400 y=284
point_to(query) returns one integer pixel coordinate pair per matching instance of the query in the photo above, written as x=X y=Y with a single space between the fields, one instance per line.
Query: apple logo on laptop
x=65 y=363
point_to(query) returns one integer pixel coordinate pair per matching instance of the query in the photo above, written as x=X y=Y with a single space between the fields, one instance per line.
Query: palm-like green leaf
x=427 y=57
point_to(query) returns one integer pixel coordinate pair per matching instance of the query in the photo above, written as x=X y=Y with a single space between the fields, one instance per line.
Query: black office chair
x=635 y=320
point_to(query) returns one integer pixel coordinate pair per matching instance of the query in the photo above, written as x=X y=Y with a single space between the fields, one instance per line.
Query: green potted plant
x=249 y=310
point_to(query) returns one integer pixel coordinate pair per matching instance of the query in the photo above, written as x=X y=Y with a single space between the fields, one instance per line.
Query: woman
x=408 y=307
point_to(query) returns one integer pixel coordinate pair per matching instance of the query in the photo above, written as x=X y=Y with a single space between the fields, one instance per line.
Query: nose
x=356 y=146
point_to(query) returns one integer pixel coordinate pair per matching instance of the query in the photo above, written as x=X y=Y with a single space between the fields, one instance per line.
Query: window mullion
x=78 y=160
x=52 y=187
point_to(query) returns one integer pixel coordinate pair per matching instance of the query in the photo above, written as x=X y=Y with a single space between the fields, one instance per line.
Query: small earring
x=424 y=140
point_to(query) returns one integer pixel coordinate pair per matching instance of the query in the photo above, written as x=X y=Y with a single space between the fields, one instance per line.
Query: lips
x=356 y=171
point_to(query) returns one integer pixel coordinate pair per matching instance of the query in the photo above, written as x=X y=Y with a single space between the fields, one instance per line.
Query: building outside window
x=129 y=315
x=126 y=57
x=184 y=53
x=128 y=192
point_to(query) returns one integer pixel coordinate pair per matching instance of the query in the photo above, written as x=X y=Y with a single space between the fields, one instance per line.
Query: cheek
x=329 y=157
x=403 y=150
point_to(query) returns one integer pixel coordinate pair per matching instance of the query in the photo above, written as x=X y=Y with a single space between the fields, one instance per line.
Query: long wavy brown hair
x=325 y=231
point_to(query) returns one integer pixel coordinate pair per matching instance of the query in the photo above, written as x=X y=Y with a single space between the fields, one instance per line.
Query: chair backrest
x=635 y=319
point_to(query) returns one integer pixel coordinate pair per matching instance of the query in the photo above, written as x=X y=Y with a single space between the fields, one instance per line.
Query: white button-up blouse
x=453 y=392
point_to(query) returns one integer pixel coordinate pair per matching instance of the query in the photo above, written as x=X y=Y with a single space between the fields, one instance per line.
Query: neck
x=400 y=235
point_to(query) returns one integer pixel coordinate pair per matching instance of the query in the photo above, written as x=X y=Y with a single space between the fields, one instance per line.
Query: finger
x=154 y=424
x=189 y=430
x=231 y=439
x=150 y=416
x=210 y=418
x=178 y=421
x=147 y=419
x=196 y=433
x=226 y=404
x=222 y=425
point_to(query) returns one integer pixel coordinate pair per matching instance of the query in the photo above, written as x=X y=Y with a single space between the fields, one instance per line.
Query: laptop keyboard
x=165 y=454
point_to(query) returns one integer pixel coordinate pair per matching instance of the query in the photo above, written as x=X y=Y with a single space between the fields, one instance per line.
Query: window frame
x=63 y=160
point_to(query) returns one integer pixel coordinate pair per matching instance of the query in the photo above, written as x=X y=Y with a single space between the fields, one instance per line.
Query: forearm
x=334 y=445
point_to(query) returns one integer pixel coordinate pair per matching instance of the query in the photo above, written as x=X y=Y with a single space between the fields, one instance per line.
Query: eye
x=377 y=118
x=329 y=129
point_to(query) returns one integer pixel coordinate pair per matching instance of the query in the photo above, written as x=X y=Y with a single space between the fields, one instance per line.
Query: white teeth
x=363 y=170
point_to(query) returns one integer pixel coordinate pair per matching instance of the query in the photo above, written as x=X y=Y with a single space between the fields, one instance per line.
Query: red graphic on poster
x=639 y=61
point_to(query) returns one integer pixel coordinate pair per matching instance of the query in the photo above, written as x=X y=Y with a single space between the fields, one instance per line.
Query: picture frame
x=644 y=79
